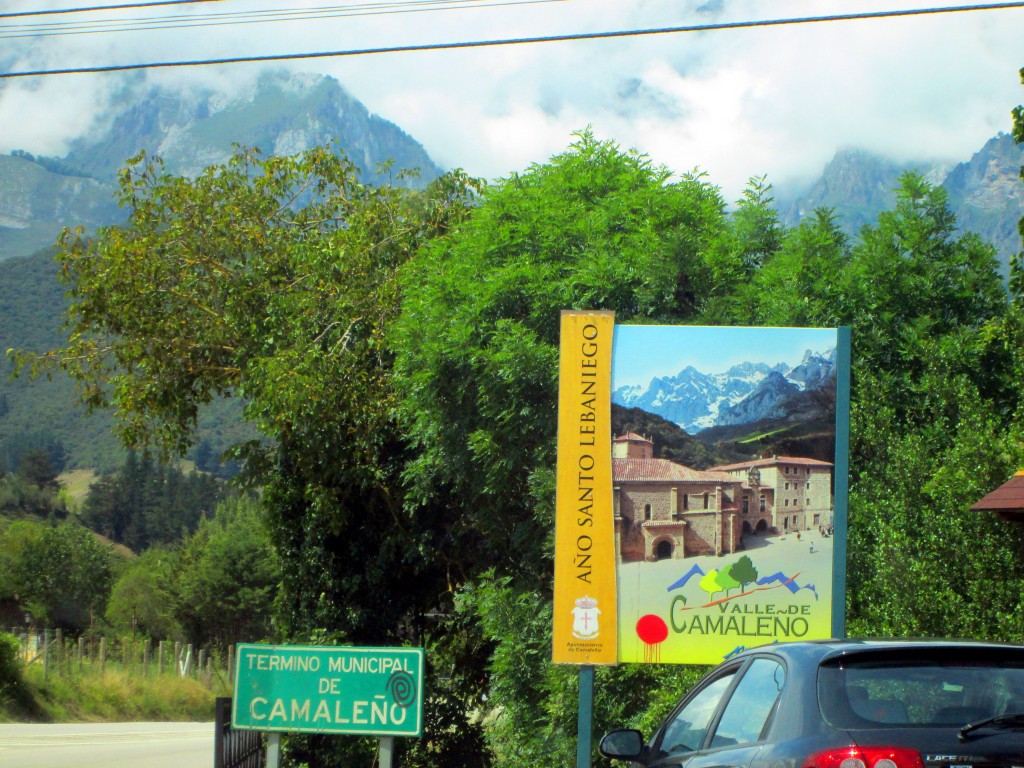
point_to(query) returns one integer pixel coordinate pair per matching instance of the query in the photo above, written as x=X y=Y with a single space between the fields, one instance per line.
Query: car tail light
x=866 y=757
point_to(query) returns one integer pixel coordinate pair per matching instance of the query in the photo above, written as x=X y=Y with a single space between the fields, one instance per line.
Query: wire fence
x=132 y=655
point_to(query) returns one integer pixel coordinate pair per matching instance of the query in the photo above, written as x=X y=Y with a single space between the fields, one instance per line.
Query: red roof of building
x=655 y=470
x=631 y=436
x=774 y=461
x=1008 y=497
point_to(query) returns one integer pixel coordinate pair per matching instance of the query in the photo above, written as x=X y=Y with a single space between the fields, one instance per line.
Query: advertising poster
x=726 y=487
x=585 y=624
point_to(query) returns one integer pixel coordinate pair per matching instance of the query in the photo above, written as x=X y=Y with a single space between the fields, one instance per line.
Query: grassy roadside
x=112 y=697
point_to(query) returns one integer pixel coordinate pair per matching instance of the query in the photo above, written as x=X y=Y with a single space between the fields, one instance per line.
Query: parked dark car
x=846 y=704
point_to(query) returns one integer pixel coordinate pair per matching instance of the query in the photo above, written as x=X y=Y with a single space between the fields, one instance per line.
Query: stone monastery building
x=664 y=510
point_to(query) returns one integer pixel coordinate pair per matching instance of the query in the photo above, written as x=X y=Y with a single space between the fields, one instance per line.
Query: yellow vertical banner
x=585 y=611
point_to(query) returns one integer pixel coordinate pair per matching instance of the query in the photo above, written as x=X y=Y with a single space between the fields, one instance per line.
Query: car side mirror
x=622 y=745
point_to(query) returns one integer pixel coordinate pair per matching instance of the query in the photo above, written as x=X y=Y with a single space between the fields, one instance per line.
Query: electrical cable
x=91 y=9
x=519 y=41
x=251 y=17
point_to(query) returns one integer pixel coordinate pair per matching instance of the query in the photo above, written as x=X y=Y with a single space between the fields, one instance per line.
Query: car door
x=685 y=731
x=740 y=730
x=723 y=724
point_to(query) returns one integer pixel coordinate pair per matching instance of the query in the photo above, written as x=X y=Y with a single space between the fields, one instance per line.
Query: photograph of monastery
x=665 y=510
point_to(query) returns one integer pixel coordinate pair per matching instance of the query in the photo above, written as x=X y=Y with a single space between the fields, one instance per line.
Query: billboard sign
x=728 y=488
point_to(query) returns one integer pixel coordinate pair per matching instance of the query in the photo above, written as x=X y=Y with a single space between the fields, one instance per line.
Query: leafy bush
x=10 y=663
x=14 y=694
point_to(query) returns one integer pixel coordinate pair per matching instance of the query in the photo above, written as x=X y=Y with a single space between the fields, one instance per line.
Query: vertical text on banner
x=585 y=594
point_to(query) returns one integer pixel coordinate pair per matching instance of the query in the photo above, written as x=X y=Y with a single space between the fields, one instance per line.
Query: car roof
x=820 y=650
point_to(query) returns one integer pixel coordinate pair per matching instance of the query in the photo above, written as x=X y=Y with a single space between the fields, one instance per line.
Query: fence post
x=222 y=722
x=145 y=658
x=81 y=653
x=160 y=659
x=58 y=641
x=231 y=666
x=103 y=655
x=46 y=654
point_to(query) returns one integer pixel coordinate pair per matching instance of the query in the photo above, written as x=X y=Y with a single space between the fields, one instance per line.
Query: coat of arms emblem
x=584 y=625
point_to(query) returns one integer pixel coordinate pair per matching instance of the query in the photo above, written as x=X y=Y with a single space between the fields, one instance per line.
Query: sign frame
x=358 y=691
x=690 y=589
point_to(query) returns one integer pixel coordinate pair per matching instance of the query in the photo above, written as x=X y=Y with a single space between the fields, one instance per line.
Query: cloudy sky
x=775 y=100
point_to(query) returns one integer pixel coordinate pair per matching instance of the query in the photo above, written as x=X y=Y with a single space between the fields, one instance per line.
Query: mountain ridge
x=744 y=393
x=191 y=129
x=985 y=193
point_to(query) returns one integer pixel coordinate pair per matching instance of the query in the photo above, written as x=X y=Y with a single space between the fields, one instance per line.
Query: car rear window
x=920 y=687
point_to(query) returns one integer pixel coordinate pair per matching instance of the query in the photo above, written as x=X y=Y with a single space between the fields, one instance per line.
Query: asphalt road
x=107 y=745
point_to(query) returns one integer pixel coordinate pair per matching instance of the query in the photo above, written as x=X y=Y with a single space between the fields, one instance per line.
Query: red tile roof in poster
x=777 y=460
x=1008 y=497
x=631 y=436
x=663 y=470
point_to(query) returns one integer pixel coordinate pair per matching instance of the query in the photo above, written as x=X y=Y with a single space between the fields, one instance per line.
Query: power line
x=91 y=9
x=520 y=41
x=101 y=26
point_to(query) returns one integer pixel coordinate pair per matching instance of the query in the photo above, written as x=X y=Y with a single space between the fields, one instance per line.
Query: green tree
x=226 y=578
x=709 y=583
x=19 y=498
x=65 y=577
x=476 y=367
x=801 y=284
x=143 y=597
x=272 y=279
x=1017 y=262
x=14 y=540
x=751 y=238
x=743 y=571
x=147 y=504
x=596 y=228
x=934 y=425
x=726 y=580
x=37 y=468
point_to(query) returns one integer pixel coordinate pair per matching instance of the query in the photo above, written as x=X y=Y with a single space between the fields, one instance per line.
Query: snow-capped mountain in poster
x=744 y=393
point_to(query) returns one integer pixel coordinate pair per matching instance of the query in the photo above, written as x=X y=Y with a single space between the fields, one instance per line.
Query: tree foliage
x=147 y=504
x=14 y=542
x=476 y=343
x=65 y=576
x=143 y=597
x=226 y=578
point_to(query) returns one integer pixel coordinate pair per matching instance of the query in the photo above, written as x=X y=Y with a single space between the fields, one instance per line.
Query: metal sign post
x=585 y=718
x=273 y=749
x=385 y=751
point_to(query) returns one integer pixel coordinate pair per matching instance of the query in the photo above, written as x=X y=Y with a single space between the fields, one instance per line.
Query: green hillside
x=45 y=411
x=40 y=196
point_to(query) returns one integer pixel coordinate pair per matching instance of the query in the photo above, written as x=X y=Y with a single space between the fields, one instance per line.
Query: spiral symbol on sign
x=402 y=687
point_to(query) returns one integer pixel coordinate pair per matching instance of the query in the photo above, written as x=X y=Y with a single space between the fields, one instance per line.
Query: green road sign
x=369 y=691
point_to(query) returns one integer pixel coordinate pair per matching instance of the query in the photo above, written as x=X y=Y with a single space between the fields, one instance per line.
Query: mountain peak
x=984 y=192
x=280 y=113
x=695 y=400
